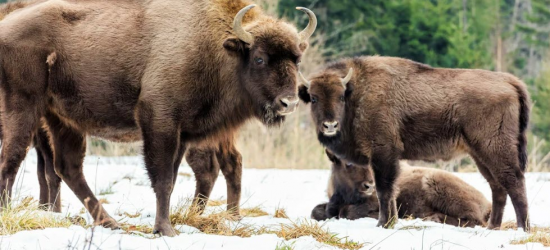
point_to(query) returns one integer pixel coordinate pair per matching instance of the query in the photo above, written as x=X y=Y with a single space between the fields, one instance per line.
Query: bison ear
x=303 y=94
x=332 y=157
x=303 y=46
x=349 y=89
x=234 y=45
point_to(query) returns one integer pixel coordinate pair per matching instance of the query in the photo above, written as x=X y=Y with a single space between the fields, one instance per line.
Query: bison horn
x=242 y=34
x=306 y=82
x=310 y=28
x=346 y=79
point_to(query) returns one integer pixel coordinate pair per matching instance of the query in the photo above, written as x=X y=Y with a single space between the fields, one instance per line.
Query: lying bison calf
x=426 y=193
x=387 y=109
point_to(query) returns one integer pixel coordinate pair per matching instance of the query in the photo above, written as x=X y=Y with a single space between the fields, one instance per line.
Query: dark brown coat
x=393 y=108
x=426 y=193
x=172 y=73
x=48 y=180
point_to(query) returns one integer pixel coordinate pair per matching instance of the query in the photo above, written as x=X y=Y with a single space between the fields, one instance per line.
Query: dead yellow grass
x=28 y=216
x=215 y=203
x=129 y=228
x=310 y=228
x=536 y=234
x=280 y=213
x=218 y=223
x=253 y=212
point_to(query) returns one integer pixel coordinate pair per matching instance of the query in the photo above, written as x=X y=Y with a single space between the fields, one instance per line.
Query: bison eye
x=259 y=60
x=349 y=165
x=313 y=99
x=342 y=98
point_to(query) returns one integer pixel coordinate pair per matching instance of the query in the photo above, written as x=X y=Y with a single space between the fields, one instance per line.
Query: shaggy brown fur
x=425 y=193
x=49 y=182
x=171 y=73
x=395 y=109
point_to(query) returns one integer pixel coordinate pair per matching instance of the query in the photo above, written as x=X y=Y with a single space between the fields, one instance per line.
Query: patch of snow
x=297 y=191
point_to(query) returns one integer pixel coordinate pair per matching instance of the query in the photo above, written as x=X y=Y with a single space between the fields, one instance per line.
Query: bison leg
x=499 y=195
x=41 y=172
x=53 y=182
x=318 y=212
x=69 y=150
x=206 y=170
x=161 y=145
x=18 y=125
x=231 y=164
x=386 y=168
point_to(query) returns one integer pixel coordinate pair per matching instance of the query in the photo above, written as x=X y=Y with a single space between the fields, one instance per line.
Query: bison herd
x=183 y=76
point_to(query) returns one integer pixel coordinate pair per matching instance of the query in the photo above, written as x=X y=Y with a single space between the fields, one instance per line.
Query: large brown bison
x=425 y=193
x=172 y=73
x=377 y=110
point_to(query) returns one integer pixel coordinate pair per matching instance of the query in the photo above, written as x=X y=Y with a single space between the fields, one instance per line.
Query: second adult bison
x=378 y=110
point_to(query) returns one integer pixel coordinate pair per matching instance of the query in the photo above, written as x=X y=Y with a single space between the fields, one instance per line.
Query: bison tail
x=524 y=111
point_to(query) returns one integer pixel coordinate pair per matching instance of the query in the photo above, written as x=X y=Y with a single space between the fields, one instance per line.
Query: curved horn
x=306 y=82
x=310 y=28
x=238 y=25
x=346 y=79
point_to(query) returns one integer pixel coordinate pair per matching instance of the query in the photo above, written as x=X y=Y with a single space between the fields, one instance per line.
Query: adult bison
x=172 y=73
x=426 y=193
x=387 y=109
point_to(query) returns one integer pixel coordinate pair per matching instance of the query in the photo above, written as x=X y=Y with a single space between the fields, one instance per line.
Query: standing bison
x=172 y=73
x=377 y=110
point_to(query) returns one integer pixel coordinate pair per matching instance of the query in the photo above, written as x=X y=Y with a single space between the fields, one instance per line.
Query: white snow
x=298 y=191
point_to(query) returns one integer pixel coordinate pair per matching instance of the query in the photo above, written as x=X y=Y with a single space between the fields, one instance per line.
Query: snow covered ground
x=298 y=191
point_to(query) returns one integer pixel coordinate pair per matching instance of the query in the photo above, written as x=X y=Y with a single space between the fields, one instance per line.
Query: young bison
x=426 y=193
x=378 y=110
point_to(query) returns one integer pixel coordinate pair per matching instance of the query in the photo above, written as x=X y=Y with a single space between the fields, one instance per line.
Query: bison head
x=347 y=176
x=327 y=94
x=269 y=51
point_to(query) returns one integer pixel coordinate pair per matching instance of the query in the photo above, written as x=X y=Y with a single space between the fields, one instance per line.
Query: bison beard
x=143 y=78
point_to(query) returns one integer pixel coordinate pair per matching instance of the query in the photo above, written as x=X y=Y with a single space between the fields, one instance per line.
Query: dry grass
x=215 y=203
x=253 y=212
x=129 y=228
x=188 y=175
x=536 y=234
x=311 y=228
x=28 y=216
x=280 y=213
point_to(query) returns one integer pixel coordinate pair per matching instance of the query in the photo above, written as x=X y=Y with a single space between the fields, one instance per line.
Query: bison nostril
x=335 y=124
x=284 y=103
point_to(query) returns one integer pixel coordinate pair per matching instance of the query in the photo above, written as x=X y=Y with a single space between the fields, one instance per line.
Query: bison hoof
x=235 y=216
x=109 y=223
x=164 y=230
x=388 y=224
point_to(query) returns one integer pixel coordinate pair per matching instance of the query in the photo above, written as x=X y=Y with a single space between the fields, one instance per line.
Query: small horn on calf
x=311 y=26
x=238 y=29
x=306 y=82
x=346 y=79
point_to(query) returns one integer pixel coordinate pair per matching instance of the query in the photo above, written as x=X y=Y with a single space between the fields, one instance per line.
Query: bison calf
x=378 y=110
x=426 y=193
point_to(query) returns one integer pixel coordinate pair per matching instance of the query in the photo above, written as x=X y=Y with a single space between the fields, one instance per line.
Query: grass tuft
x=28 y=216
x=536 y=234
x=253 y=212
x=310 y=228
x=280 y=213
x=215 y=203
